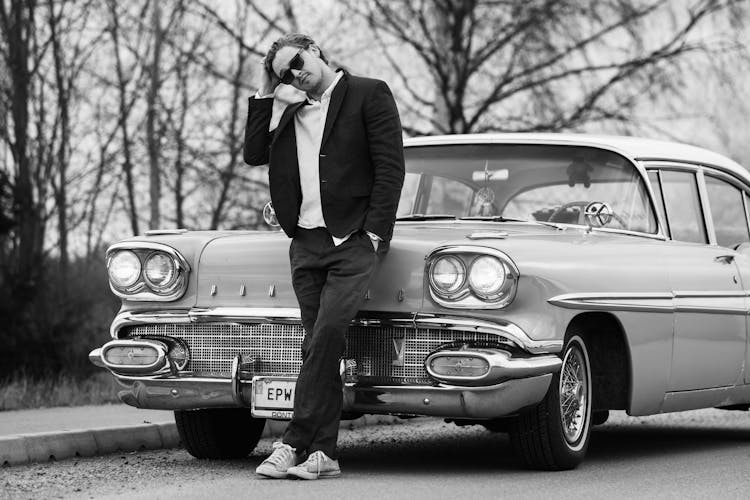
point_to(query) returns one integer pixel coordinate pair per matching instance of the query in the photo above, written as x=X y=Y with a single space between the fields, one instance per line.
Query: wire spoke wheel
x=574 y=394
x=554 y=435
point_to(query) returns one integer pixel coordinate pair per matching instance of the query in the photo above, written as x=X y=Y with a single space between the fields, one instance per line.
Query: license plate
x=273 y=397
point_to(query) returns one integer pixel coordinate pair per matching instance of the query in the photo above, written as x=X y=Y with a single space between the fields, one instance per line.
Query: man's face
x=308 y=76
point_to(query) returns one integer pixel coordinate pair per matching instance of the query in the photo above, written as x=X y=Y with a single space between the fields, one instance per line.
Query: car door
x=728 y=200
x=708 y=296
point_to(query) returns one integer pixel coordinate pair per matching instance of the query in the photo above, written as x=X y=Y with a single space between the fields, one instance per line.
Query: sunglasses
x=297 y=63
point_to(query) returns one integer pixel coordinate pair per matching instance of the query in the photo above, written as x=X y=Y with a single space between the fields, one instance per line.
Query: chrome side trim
x=173 y=393
x=506 y=329
x=501 y=328
x=665 y=302
x=131 y=318
x=254 y=314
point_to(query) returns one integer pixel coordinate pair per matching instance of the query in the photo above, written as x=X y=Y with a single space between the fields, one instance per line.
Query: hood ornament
x=487 y=235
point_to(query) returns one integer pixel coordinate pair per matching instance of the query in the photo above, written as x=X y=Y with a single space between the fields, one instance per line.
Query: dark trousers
x=330 y=283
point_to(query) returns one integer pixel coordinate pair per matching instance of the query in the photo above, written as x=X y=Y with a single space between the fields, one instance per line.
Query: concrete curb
x=46 y=446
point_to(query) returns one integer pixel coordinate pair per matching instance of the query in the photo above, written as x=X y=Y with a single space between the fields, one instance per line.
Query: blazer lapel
x=286 y=117
x=337 y=98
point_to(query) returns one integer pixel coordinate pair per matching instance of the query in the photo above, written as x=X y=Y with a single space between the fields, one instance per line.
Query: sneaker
x=279 y=462
x=317 y=465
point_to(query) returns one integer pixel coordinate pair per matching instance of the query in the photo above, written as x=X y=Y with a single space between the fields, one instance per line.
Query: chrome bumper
x=172 y=393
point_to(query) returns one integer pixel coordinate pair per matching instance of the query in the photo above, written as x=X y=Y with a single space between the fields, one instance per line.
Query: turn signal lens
x=124 y=269
x=459 y=366
x=447 y=274
x=159 y=270
x=487 y=276
x=131 y=355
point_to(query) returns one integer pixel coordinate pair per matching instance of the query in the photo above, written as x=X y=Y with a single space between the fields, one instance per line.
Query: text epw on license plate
x=273 y=397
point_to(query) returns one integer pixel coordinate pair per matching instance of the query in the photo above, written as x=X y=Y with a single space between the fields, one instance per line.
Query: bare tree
x=152 y=137
x=520 y=65
x=124 y=112
x=17 y=23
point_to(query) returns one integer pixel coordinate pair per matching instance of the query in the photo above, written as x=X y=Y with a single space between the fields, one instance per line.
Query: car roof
x=635 y=148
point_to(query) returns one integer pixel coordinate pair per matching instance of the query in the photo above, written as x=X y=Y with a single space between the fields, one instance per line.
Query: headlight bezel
x=144 y=289
x=467 y=297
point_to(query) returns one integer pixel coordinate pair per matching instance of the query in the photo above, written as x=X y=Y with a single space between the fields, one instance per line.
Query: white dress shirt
x=309 y=122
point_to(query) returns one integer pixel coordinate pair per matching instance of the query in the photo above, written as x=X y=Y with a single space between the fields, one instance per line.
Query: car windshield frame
x=509 y=170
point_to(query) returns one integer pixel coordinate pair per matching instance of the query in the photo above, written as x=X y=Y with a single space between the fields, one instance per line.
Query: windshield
x=524 y=182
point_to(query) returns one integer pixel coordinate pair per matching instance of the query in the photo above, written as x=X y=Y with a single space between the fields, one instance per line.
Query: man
x=336 y=168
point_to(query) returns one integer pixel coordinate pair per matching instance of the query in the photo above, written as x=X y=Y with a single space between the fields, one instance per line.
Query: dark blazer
x=361 y=158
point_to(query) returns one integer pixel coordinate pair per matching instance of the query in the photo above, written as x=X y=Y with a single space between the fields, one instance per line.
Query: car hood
x=252 y=270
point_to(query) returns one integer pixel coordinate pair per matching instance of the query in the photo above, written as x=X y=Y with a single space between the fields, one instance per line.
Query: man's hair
x=291 y=40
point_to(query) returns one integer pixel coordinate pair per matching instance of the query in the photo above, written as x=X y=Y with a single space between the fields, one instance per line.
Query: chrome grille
x=277 y=348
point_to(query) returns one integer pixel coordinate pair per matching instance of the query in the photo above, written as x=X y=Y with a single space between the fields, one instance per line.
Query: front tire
x=219 y=432
x=554 y=435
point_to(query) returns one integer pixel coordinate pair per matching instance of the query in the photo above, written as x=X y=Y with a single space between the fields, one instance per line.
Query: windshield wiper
x=492 y=218
x=500 y=218
x=418 y=217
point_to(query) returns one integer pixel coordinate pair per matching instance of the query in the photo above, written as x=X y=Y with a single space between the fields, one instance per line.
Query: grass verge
x=21 y=391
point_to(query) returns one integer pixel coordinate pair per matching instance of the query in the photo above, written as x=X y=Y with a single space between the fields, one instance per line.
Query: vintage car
x=533 y=283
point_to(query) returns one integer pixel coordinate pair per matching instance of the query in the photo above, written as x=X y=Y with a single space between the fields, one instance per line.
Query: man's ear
x=314 y=49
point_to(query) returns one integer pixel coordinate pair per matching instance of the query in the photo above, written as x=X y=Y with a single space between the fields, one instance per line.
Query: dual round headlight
x=486 y=275
x=124 y=269
x=448 y=274
x=158 y=269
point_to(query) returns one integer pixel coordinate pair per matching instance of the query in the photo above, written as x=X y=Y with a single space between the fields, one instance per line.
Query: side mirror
x=269 y=215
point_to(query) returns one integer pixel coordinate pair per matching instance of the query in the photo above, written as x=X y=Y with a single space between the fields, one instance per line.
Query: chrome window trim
x=501 y=328
x=696 y=170
x=559 y=225
x=701 y=170
x=490 y=139
x=708 y=220
x=732 y=181
x=665 y=223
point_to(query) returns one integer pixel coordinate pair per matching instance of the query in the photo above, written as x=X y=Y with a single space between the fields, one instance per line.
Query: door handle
x=724 y=259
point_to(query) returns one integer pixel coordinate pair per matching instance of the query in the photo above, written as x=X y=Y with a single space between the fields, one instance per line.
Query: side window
x=653 y=177
x=727 y=212
x=681 y=200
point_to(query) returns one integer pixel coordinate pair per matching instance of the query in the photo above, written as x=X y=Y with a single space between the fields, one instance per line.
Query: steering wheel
x=581 y=206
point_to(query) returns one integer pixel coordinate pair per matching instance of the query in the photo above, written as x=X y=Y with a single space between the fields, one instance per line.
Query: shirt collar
x=328 y=91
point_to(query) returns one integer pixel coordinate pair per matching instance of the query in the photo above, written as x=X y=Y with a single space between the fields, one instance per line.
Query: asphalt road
x=701 y=454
